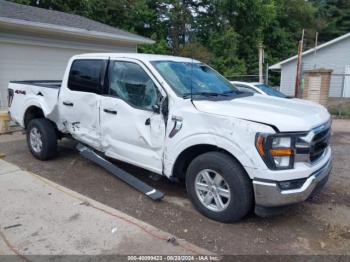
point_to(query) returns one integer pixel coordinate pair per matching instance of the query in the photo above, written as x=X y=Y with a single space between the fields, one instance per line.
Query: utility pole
x=300 y=57
x=261 y=61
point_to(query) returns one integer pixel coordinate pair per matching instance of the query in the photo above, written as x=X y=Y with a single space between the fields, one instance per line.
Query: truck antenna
x=191 y=80
x=191 y=66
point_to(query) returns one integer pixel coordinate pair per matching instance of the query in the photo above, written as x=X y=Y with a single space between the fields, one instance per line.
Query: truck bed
x=42 y=83
x=40 y=93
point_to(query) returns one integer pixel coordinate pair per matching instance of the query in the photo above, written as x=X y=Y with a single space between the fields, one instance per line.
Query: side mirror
x=156 y=108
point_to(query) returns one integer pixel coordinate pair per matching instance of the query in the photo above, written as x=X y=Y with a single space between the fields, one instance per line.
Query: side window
x=131 y=83
x=246 y=89
x=85 y=75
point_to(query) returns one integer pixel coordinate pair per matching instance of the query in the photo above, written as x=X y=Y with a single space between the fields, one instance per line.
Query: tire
x=42 y=131
x=235 y=190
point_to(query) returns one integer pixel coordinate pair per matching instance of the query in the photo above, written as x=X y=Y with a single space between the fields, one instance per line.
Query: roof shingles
x=51 y=17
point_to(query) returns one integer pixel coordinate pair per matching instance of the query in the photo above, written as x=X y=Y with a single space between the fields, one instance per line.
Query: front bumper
x=268 y=193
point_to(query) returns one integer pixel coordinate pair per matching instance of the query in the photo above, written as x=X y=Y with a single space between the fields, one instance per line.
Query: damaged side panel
x=132 y=135
x=79 y=113
x=230 y=134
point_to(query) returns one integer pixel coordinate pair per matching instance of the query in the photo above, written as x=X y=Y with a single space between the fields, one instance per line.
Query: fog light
x=291 y=184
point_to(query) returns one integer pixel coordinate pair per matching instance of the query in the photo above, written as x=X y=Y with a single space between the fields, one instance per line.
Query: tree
x=282 y=35
x=132 y=15
x=177 y=16
x=224 y=47
x=224 y=33
x=79 y=7
x=196 y=51
x=249 y=18
x=335 y=17
x=160 y=47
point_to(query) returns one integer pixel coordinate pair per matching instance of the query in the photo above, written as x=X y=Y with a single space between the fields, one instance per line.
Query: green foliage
x=284 y=32
x=340 y=109
x=196 y=51
x=79 y=7
x=335 y=17
x=132 y=15
x=249 y=18
x=224 y=47
x=224 y=33
x=160 y=47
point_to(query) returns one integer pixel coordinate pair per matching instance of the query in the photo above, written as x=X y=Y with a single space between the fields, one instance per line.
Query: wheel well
x=185 y=158
x=31 y=113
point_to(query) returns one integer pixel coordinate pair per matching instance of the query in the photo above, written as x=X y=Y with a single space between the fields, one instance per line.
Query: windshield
x=270 y=91
x=184 y=76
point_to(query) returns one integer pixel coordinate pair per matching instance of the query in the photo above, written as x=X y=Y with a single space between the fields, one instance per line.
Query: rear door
x=132 y=129
x=80 y=100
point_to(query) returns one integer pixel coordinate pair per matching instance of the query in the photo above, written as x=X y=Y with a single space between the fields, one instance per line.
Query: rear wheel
x=218 y=187
x=42 y=139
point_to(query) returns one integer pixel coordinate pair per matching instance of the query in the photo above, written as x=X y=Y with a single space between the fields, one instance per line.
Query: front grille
x=319 y=144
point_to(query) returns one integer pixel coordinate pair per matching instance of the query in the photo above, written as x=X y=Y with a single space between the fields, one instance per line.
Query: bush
x=341 y=109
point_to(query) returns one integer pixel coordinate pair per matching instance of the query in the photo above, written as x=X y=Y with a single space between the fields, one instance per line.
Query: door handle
x=68 y=103
x=110 y=111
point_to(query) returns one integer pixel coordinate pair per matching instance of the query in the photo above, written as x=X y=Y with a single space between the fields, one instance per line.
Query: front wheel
x=42 y=139
x=218 y=187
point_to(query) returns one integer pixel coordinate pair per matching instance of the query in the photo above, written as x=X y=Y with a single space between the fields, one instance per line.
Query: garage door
x=29 y=62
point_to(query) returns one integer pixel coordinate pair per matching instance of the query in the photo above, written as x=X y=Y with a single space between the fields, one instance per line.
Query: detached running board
x=136 y=183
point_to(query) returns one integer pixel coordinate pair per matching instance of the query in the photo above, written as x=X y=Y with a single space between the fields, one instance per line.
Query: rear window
x=85 y=75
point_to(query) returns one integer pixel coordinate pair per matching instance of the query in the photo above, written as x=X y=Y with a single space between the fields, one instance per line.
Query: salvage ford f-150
x=179 y=118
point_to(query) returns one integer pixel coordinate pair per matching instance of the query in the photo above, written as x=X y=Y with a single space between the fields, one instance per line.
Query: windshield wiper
x=207 y=94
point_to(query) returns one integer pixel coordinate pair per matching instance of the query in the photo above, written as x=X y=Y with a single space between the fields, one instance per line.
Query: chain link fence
x=339 y=95
x=244 y=78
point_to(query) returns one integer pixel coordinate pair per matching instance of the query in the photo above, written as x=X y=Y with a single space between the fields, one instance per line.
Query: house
x=334 y=55
x=36 y=43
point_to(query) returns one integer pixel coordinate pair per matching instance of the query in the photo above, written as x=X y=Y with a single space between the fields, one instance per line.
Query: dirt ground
x=319 y=226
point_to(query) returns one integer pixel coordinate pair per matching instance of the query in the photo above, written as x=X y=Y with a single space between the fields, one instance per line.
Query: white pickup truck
x=179 y=118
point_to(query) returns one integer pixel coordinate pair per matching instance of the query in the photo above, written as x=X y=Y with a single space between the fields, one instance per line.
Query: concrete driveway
x=319 y=226
x=40 y=217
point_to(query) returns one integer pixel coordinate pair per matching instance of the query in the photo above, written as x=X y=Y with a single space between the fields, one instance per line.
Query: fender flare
x=33 y=102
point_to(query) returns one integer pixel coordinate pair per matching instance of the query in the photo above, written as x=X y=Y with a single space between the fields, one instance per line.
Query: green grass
x=340 y=110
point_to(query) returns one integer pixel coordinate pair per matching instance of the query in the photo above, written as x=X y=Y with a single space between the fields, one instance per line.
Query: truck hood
x=288 y=115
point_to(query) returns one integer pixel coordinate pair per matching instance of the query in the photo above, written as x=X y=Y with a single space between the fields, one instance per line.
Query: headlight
x=276 y=150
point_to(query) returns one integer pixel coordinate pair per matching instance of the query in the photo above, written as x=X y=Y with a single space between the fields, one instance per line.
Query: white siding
x=41 y=59
x=334 y=57
x=288 y=74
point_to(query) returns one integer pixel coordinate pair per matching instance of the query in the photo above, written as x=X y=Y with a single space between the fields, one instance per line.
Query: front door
x=79 y=101
x=132 y=129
